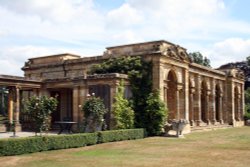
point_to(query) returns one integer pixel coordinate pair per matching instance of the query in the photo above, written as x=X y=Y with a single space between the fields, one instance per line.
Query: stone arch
x=204 y=101
x=172 y=94
x=218 y=103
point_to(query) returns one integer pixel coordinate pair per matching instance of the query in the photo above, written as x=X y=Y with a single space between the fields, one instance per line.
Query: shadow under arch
x=172 y=95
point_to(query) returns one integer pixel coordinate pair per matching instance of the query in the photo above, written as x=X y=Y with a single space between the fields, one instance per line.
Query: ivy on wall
x=140 y=77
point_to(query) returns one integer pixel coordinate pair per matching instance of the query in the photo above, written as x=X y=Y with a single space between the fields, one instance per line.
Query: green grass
x=220 y=148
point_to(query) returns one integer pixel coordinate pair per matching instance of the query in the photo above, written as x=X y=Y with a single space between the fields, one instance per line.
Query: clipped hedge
x=118 y=135
x=16 y=146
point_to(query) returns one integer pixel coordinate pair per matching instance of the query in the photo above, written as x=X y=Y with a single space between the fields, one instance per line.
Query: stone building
x=203 y=96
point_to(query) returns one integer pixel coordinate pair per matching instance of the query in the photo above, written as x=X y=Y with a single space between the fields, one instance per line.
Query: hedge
x=16 y=146
x=118 y=135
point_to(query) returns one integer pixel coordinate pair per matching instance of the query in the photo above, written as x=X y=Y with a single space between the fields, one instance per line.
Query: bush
x=123 y=112
x=118 y=135
x=16 y=146
x=40 y=109
x=94 y=110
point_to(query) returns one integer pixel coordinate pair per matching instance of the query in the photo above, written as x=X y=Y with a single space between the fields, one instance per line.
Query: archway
x=217 y=103
x=204 y=101
x=171 y=95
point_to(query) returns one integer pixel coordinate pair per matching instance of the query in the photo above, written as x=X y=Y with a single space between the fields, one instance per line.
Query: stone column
x=10 y=106
x=82 y=97
x=75 y=103
x=191 y=106
x=242 y=101
x=198 y=100
x=17 y=113
x=212 y=103
x=221 y=108
x=207 y=107
x=179 y=88
x=186 y=94
x=239 y=108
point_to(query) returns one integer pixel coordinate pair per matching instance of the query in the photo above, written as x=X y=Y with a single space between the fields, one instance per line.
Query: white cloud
x=124 y=16
x=229 y=50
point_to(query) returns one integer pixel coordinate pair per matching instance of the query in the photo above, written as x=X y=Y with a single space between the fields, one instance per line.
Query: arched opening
x=217 y=103
x=236 y=104
x=203 y=101
x=171 y=95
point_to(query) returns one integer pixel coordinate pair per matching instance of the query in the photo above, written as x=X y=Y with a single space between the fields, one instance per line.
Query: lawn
x=220 y=148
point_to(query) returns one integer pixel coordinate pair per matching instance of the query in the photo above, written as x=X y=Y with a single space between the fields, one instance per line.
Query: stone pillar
x=207 y=107
x=198 y=96
x=212 y=103
x=239 y=108
x=221 y=108
x=179 y=88
x=82 y=97
x=191 y=106
x=17 y=109
x=186 y=94
x=76 y=110
x=10 y=106
x=242 y=101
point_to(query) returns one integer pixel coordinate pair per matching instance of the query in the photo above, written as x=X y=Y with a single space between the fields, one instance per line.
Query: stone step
x=209 y=127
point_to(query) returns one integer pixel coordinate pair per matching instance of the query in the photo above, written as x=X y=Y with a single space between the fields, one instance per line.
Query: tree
x=40 y=110
x=156 y=114
x=94 y=110
x=247 y=103
x=198 y=58
x=123 y=113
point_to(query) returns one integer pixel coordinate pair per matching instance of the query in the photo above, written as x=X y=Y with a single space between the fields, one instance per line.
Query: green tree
x=198 y=58
x=247 y=103
x=94 y=110
x=40 y=110
x=156 y=113
x=123 y=113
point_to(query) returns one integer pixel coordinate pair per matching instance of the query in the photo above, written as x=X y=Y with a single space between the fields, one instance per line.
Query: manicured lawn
x=220 y=148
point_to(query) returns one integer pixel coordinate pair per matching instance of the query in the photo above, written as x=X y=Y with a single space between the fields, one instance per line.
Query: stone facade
x=201 y=95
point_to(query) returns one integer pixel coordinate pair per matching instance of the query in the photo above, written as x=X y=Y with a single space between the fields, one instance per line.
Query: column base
x=192 y=123
x=221 y=121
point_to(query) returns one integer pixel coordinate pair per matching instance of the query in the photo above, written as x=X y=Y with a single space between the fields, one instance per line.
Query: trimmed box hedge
x=16 y=146
x=118 y=135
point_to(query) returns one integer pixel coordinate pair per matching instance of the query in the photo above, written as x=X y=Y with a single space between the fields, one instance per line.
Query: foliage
x=156 y=113
x=16 y=146
x=140 y=77
x=198 y=58
x=94 y=110
x=123 y=113
x=3 y=101
x=247 y=103
x=118 y=135
x=40 y=109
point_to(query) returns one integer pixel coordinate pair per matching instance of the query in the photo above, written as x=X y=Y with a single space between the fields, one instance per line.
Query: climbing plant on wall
x=123 y=112
x=140 y=77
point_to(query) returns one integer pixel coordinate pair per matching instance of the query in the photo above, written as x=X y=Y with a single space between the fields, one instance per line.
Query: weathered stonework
x=201 y=95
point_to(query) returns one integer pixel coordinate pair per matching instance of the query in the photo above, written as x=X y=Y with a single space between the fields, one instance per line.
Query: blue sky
x=219 y=29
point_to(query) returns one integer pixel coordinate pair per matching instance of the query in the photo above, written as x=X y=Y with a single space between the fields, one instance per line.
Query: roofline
x=61 y=54
x=158 y=41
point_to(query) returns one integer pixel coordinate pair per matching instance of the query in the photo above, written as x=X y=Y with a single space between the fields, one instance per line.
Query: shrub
x=118 y=135
x=40 y=109
x=156 y=112
x=123 y=113
x=94 y=110
x=15 y=146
